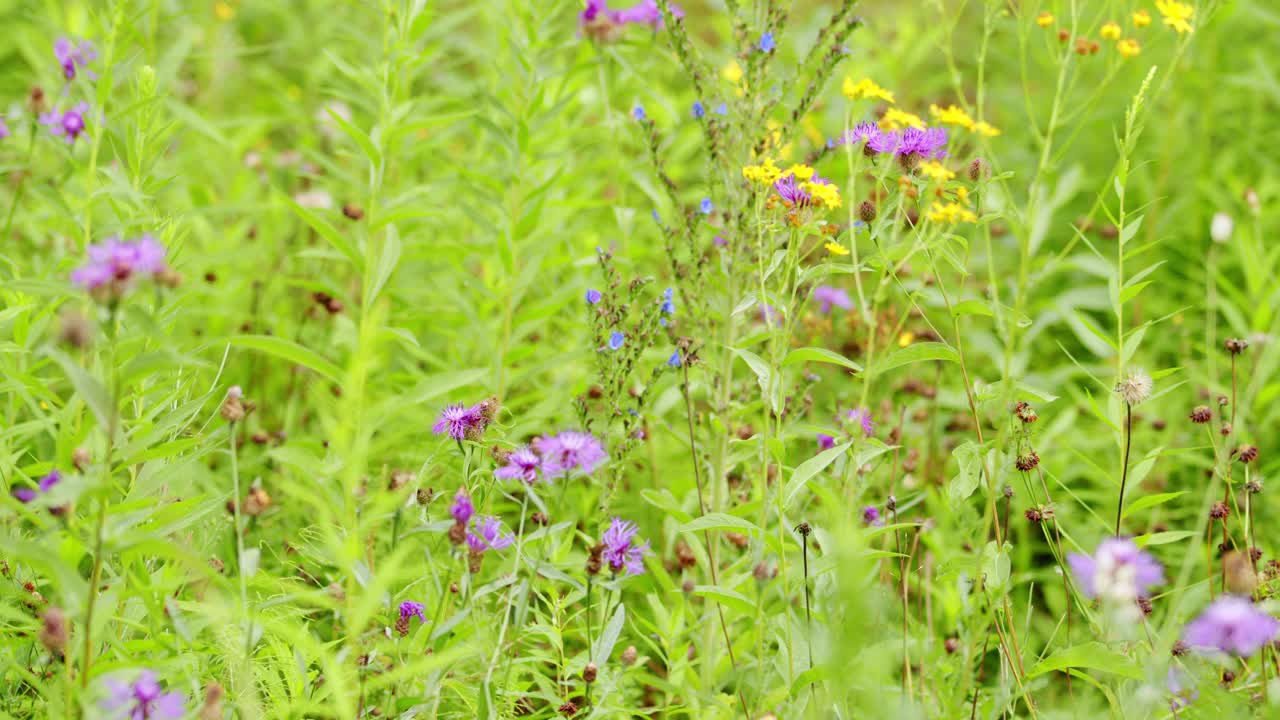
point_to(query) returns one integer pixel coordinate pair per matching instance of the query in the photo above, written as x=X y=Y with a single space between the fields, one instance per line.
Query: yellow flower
x=1110 y=31
x=766 y=173
x=983 y=127
x=1177 y=15
x=732 y=72
x=1044 y=19
x=905 y=338
x=962 y=194
x=801 y=172
x=951 y=213
x=895 y=119
x=1129 y=47
x=935 y=170
x=1141 y=18
x=836 y=248
x=951 y=115
x=825 y=193
x=865 y=88
x=223 y=11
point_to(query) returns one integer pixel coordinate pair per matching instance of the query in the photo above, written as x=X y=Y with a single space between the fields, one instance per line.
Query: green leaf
x=291 y=351
x=1090 y=655
x=609 y=637
x=763 y=375
x=359 y=136
x=972 y=307
x=969 y=457
x=330 y=233
x=718 y=521
x=90 y=390
x=914 y=353
x=809 y=468
x=1163 y=538
x=387 y=261
x=727 y=597
x=815 y=354
x=1150 y=501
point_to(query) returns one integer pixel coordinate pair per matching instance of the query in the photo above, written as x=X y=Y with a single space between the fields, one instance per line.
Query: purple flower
x=705 y=207
x=113 y=264
x=616 y=340
x=4 y=129
x=621 y=549
x=461 y=422
x=1183 y=694
x=522 y=464
x=23 y=495
x=70 y=56
x=674 y=360
x=48 y=481
x=570 y=450
x=720 y=241
x=410 y=609
x=830 y=296
x=825 y=442
x=69 y=124
x=871 y=516
x=927 y=143
x=486 y=534
x=594 y=296
x=767 y=43
x=645 y=12
x=1232 y=625
x=1118 y=570
x=861 y=418
x=142 y=700
x=885 y=142
x=790 y=192
x=699 y=110
x=862 y=132
x=462 y=509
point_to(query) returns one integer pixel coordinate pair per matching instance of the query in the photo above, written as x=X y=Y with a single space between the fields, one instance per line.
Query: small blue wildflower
x=668 y=304
x=705 y=206
x=766 y=42
x=699 y=110
x=637 y=112
x=616 y=340
x=594 y=296
x=722 y=109
x=674 y=360
x=656 y=218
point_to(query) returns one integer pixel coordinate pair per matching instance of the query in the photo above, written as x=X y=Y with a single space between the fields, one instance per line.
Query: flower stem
x=1124 y=468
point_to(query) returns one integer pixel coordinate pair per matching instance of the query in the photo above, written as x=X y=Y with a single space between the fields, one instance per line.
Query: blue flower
x=616 y=340
x=766 y=42
x=705 y=206
x=698 y=109
x=674 y=360
x=593 y=296
x=722 y=109
x=637 y=112
x=668 y=306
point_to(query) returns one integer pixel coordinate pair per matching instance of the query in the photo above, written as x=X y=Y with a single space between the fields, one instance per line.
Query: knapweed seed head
x=1235 y=346
x=1135 y=387
x=1201 y=414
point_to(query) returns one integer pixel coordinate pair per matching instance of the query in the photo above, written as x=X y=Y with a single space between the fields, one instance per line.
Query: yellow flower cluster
x=865 y=88
x=1110 y=31
x=1177 y=15
x=1141 y=18
x=766 y=173
x=952 y=115
x=935 y=170
x=732 y=72
x=836 y=248
x=983 y=127
x=827 y=195
x=1044 y=19
x=895 y=119
x=951 y=213
x=800 y=172
x=1129 y=47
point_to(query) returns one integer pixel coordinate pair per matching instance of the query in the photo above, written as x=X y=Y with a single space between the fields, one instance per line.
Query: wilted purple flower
x=594 y=296
x=674 y=360
x=1118 y=570
x=767 y=43
x=616 y=340
x=621 y=550
x=461 y=422
x=486 y=534
x=871 y=516
x=114 y=263
x=699 y=110
x=1232 y=625
x=861 y=418
x=410 y=609
x=522 y=464
x=705 y=207
x=825 y=442
x=69 y=124
x=570 y=450
x=830 y=296
x=70 y=56
x=462 y=509
x=142 y=700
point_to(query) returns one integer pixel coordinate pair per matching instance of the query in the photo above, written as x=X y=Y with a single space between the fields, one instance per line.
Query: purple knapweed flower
x=645 y=12
x=885 y=142
x=594 y=296
x=616 y=340
x=825 y=442
x=699 y=110
x=462 y=509
x=871 y=516
x=522 y=464
x=486 y=534
x=621 y=550
x=830 y=296
x=1118 y=570
x=461 y=422
x=862 y=132
x=69 y=125
x=927 y=143
x=143 y=700
x=674 y=360
x=705 y=207
x=23 y=495
x=791 y=193
x=767 y=43
x=1233 y=625
x=410 y=609
x=45 y=484
x=72 y=56
x=720 y=241
x=570 y=451
x=861 y=418
x=113 y=264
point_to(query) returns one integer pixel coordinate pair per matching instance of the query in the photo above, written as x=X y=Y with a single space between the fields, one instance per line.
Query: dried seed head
x=53 y=630
x=424 y=496
x=951 y=645
x=1144 y=604
x=867 y=211
x=352 y=211
x=977 y=169
x=1179 y=649
x=589 y=672
x=1027 y=461
x=1235 y=346
x=804 y=529
x=1219 y=511
x=1247 y=453
x=1034 y=515
x=891 y=504
x=568 y=709
x=233 y=406
x=256 y=502
x=629 y=656
x=212 y=707
x=539 y=518
x=763 y=572
x=1135 y=388
x=75 y=329
x=80 y=457
x=595 y=560
x=399 y=479
x=457 y=533
x=1254 y=486
x=1008 y=492
x=1201 y=414
x=1025 y=412
x=1226 y=429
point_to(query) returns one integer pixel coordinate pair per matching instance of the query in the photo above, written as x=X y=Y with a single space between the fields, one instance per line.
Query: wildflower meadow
x=709 y=359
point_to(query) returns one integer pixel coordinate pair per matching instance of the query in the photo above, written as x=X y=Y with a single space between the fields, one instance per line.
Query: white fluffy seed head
x=1135 y=387
x=1221 y=227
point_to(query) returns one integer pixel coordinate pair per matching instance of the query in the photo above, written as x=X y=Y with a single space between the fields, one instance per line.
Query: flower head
x=72 y=56
x=825 y=442
x=699 y=110
x=950 y=213
x=770 y=315
x=598 y=21
x=1135 y=388
x=522 y=464
x=616 y=340
x=674 y=361
x=69 y=125
x=461 y=422
x=1177 y=15
x=594 y=296
x=871 y=516
x=862 y=419
x=836 y=248
x=705 y=207
x=621 y=550
x=570 y=451
x=895 y=119
x=766 y=173
x=486 y=534
x=1233 y=625
x=925 y=142
x=113 y=264
x=1118 y=570
x=830 y=296
x=1141 y=18
x=767 y=43
x=668 y=302
x=462 y=509
x=952 y=115
x=865 y=88
x=410 y=609
x=143 y=700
